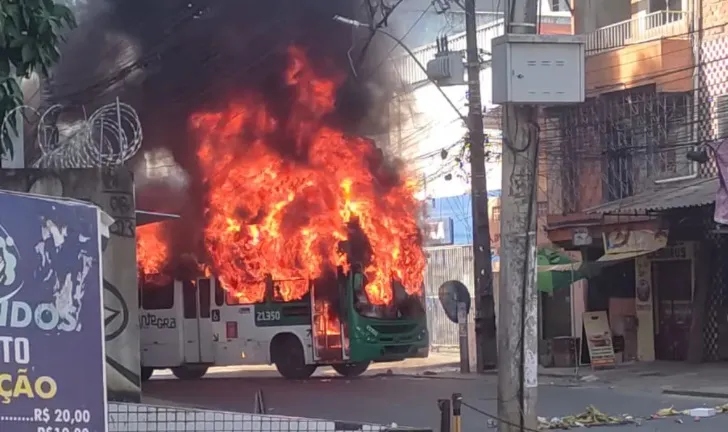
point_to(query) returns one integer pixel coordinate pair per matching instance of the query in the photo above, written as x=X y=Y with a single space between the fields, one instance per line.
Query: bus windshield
x=404 y=306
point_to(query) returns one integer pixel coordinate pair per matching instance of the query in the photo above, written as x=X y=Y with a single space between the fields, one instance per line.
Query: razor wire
x=108 y=137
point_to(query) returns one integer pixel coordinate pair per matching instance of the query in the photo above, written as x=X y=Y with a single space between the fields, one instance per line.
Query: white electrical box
x=538 y=69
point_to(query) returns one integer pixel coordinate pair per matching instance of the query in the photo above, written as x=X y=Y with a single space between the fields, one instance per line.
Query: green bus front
x=383 y=333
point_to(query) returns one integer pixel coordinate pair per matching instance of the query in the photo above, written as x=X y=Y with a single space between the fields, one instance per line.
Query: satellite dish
x=450 y=294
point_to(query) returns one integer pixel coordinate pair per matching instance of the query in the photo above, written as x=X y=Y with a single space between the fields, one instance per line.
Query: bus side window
x=156 y=297
x=231 y=299
x=204 y=287
x=189 y=300
x=219 y=294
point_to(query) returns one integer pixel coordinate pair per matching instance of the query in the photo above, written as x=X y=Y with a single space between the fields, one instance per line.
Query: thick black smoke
x=171 y=58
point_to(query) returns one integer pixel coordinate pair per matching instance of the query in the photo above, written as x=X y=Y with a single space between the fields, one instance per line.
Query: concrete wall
x=113 y=191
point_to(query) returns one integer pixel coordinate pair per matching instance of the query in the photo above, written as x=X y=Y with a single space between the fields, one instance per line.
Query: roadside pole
x=485 y=330
x=463 y=338
x=518 y=300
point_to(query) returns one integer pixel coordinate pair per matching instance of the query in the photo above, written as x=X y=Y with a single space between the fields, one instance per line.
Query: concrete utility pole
x=518 y=300
x=485 y=331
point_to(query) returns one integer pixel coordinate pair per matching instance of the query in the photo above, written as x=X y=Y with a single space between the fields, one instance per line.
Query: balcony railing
x=643 y=28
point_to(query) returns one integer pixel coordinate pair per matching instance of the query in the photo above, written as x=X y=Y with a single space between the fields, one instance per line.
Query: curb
x=431 y=373
x=696 y=393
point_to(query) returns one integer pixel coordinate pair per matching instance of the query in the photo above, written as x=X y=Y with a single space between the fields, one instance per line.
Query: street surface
x=410 y=400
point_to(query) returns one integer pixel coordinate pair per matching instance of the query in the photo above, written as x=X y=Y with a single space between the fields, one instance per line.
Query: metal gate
x=444 y=264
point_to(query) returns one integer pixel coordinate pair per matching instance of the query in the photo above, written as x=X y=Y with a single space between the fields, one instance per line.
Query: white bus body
x=188 y=327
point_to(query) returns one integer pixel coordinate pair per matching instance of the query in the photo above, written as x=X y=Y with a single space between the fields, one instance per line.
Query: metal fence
x=125 y=417
x=444 y=264
x=641 y=28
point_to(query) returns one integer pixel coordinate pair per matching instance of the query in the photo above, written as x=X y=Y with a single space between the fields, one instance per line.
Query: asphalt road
x=411 y=401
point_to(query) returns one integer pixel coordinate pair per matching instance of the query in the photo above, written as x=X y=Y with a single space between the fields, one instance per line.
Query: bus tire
x=351 y=370
x=289 y=358
x=146 y=373
x=189 y=373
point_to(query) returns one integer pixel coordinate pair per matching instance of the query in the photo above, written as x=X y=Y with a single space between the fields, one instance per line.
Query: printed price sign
x=52 y=366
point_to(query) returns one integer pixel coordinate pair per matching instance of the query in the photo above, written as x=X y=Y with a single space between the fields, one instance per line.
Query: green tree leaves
x=30 y=33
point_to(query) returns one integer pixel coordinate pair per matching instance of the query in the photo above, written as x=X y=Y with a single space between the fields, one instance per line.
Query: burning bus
x=189 y=326
x=307 y=249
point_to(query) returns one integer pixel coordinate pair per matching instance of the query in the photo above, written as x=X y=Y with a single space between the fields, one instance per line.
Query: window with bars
x=617 y=142
x=721 y=116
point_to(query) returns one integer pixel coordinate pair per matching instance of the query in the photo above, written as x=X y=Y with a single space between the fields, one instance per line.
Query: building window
x=721 y=116
x=617 y=141
x=543 y=208
x=663 y=5
x=557 y=6
x=156 y=297
x=495 y=212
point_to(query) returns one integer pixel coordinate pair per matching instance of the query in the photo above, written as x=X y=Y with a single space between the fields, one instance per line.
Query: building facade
x=432 y=138
x=632 y=176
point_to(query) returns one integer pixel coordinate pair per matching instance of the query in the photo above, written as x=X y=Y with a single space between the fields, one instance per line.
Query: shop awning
x=615 y=257
x=556 y=270
x=574 y=266
x=690 y=193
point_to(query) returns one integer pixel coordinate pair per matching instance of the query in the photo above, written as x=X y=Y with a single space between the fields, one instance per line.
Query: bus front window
x=402 y=306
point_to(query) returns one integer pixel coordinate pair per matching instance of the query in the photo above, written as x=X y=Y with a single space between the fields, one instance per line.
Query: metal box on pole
x=538 y=69
x=447 y=69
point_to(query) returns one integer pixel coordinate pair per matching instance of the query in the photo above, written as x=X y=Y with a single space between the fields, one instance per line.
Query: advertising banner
x=52 y=361
x=438 y=232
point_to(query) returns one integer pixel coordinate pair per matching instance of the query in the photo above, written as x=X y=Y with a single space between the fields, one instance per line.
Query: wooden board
x=599 y=339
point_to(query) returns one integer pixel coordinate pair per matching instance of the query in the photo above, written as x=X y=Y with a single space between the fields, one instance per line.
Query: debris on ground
x=589 y=378
x=589 y=418
x=593 y=417
x=702 y=412
x=666 y=412
x=695 y=413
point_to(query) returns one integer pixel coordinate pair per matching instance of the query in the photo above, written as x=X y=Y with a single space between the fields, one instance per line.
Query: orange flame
x=268 y=214
x=152 y=251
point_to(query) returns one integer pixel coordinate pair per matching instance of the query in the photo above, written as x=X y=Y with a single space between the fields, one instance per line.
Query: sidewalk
x=707 y=380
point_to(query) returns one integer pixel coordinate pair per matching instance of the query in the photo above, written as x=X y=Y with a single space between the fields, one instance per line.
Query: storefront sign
x=627 y=241
x=52 y=362
x=581 y=237
x=438 y=232
x=679 y=251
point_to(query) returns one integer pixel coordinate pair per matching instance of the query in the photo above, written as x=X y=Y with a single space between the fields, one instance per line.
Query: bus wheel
x=189 y=372
x=351 y=370
x=287 y=354
x=146 y=373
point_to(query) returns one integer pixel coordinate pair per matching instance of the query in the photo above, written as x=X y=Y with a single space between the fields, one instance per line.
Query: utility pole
x=486 y=344
x=518 y=300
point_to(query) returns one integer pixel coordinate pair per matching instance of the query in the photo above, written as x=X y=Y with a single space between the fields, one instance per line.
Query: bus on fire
x=189 y=326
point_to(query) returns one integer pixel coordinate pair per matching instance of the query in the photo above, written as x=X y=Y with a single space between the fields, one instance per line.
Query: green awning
x=556 y=270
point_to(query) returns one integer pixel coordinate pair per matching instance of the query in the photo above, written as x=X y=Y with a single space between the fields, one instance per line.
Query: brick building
x=627 y=186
